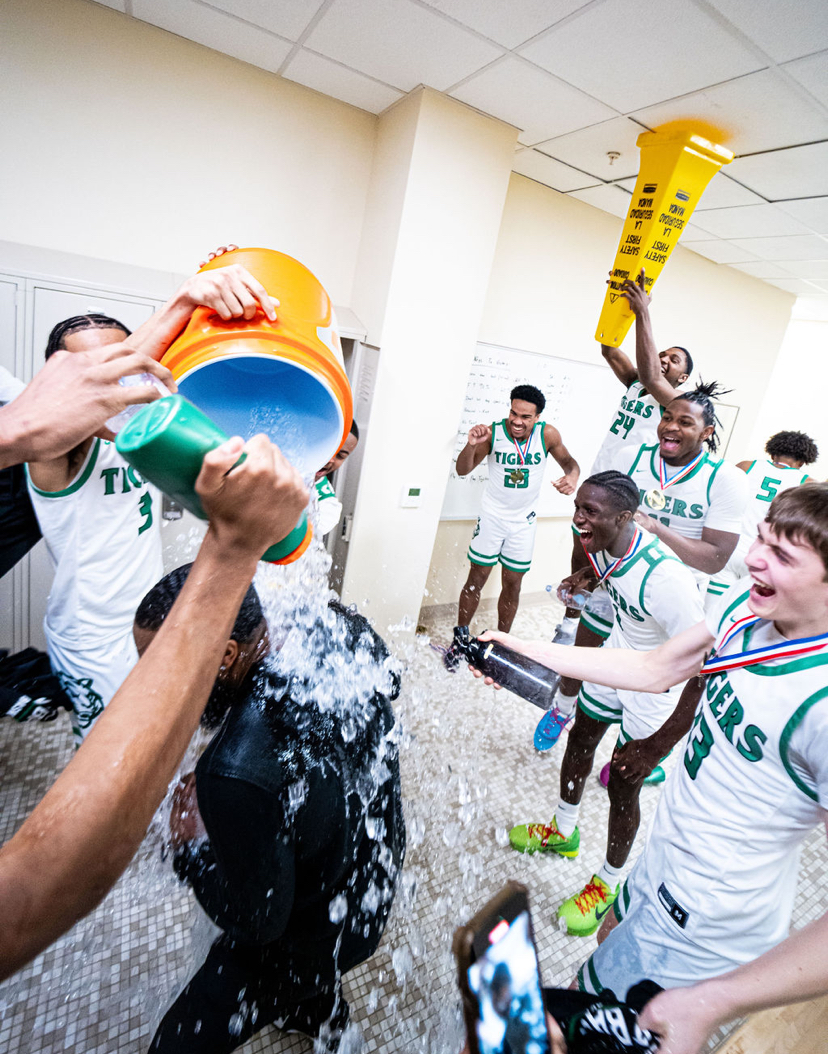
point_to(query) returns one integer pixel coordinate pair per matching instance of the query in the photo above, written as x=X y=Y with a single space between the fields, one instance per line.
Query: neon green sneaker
x=584 y=912
x=544 y=838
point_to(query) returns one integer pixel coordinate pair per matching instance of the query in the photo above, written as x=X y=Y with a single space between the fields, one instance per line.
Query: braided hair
x=621 y=489
x=704 y=395
x=795 y=445
x=94 y=320
x=157 y=604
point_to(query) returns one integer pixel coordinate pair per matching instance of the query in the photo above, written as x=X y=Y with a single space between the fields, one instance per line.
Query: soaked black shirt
x=304 y=819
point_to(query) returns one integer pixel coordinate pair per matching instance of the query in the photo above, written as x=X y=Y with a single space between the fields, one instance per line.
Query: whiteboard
x=581 y=398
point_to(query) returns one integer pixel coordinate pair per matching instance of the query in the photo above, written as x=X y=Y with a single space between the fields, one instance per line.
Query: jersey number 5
x=767 y=492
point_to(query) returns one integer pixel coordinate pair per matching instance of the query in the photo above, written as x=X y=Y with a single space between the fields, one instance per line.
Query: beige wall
x=545 y=294
x=127 y=143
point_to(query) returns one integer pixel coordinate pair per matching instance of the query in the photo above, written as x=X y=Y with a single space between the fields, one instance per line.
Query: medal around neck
x=655 y=499
x=166 y=442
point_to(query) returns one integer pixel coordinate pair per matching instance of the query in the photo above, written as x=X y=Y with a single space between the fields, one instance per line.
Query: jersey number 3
x=145 y=508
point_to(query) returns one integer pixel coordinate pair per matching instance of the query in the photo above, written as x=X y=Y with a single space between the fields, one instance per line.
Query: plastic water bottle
x=597 y=602
x=116 y=423
x=519 y=674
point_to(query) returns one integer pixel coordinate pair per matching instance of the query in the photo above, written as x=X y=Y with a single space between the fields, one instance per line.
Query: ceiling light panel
x=801 y=172
x=798 y=247
x=509 y=23
x=215 y=30
x=631 y=53
x=540 y=105
x=762 y=111
x=589 y=148
x=552 y=173
x=749 y=221
x=784 y=29
x=288 y=18
x=343 y=83
x=399 y=43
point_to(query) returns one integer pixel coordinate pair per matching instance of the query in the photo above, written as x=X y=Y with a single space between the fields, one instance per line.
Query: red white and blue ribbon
x=684 y=471
x=788 y=649
x=632 y=549
x=522 y=454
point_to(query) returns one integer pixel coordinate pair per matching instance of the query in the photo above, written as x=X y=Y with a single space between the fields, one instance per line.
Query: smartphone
x=499 y=978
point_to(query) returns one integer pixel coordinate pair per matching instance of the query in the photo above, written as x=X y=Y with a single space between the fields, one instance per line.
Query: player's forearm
x=159 y=331
x=466 y=460
x=24 y=436
x=636 y=671
x=679 y=723
x=648 y=362
x=695 y=552
x=792 y=972
x=82 y=834
x=619 y=362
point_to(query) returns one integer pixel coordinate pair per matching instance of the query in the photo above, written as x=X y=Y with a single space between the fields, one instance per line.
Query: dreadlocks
x=704 y=395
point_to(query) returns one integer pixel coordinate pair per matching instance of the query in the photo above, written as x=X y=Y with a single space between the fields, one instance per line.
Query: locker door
x=11 y=342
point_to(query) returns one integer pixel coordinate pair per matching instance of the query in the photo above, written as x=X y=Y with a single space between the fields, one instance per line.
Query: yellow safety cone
x=676 y=166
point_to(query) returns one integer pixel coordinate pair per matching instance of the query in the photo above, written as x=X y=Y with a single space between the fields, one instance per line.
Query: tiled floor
x=469 y=773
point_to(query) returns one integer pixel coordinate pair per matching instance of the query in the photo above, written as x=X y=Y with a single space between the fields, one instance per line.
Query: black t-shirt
x=304 y=818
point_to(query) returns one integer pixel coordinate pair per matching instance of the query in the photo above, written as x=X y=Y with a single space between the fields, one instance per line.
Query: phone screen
x=506 y=982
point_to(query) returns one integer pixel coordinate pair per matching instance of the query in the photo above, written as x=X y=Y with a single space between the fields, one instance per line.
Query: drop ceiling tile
x=608 y=198
x=631 y=53
x=749 y=221
x=784 y=30
x=692 y=233
x=118 y=5
x=762 y=111
x=720 y=193
x=813 y=212
x=801 y=172
x=400 y=43
x=795 y=286
x=810 y=269
x=799 y=247
x=588 y=148
x=721 y=252
x=534 y=101
x=215 y=30
x=343 y=83
x=509 y=23
x=812 y=73
x=547 y=170
x=762 y=269
x=288 y=18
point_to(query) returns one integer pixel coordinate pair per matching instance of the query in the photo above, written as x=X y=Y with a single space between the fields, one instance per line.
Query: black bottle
x=523 y=676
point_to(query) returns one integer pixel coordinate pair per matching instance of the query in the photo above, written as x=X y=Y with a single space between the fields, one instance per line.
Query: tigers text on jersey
x=713 y=495
x=515 y=473
x=103 y=536
x=715 y=885
x=634 y=425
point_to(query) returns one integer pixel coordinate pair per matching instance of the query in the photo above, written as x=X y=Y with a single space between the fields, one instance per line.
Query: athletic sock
x=566 y=817
x=566 y=703
x=571 y=620
x=608 y=874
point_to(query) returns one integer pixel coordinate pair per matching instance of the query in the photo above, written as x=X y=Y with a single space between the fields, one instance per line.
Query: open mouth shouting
x=670 y=444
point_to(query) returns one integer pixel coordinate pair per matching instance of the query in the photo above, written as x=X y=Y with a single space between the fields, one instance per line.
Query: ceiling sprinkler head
x=613 y=156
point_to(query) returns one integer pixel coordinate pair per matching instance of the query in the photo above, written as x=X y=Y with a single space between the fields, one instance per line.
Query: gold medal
x=655 y=499
x=517 y=475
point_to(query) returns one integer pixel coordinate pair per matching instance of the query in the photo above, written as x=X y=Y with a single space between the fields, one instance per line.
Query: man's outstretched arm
x=83 y=833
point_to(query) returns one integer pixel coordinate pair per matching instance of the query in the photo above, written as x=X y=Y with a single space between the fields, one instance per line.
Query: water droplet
x=338 y=908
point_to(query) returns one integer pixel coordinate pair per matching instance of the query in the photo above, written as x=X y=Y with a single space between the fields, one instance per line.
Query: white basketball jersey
x=712 y=495
x=329 y=507
x=103 y=536
x=654 y=596
x=752 y=782
x=515 y=473
x=634 y=425
x=764 y=481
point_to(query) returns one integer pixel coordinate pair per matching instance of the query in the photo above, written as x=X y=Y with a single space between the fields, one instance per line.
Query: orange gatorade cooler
x=677 y=163
x=284 y=378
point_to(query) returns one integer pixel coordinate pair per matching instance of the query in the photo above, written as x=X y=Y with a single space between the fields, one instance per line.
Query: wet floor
x=469 y=772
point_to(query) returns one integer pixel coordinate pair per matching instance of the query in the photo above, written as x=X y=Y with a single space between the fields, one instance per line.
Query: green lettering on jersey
x=108 y=475
x=732 y=717
x=698 y=746
x=751 y=746
x=768 y=489
x=145 y=508
x=678 y=507
x=696 y=512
